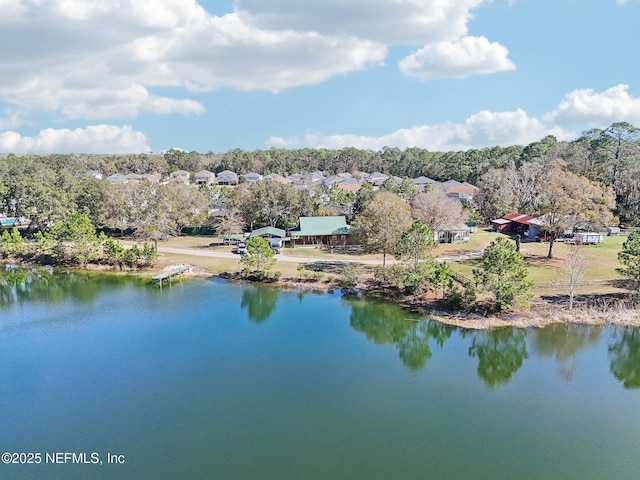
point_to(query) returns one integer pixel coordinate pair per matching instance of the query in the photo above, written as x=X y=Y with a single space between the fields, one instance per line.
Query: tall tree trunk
x=552 y=240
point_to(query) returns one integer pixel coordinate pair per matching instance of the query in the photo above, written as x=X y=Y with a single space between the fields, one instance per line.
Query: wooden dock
x=167 y=276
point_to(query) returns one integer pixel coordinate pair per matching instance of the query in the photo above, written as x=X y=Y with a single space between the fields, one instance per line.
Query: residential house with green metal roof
x=329 y=231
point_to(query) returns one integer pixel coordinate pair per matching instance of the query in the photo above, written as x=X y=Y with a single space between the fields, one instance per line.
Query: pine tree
x=504 y=274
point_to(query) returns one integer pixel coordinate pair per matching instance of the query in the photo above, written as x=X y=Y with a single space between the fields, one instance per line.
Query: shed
x=588 y=238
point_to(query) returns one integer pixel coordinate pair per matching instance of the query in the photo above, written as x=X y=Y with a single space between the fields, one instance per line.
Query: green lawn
x=602 y=261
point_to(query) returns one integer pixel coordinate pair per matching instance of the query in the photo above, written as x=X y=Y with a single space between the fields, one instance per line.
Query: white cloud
x=585 y=107
x=92 y=139
x=408 y=22
x=96 y=59
x=484 y=129
x=462 y=58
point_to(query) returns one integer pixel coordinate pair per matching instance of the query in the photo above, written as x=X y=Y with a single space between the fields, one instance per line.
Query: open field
x=600 y=278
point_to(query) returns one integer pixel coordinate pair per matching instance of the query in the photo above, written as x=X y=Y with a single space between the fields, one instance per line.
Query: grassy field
x=601 y=264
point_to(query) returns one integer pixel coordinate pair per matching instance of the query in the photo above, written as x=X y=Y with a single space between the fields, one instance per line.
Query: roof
x=253 y=175
x=117 y=178
x=273 y=231
x=519 y=218
x=311 y=226
x=464 y=188
x=500 y=221
x=422 y=180
x=349 y=186
x=205 y=173
x=460 y=227
x=450 y=183
x=227 y=176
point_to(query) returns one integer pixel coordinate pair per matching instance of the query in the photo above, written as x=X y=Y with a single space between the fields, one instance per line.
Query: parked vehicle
x=230 y=241
x=276 y=244
x=241 y=248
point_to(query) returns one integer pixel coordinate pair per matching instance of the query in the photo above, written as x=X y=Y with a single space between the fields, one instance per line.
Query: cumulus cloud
x=462 y=58
x=98 y=60
x=93 y=139
x=385 y=21
x=484 y=129
x=586 y=107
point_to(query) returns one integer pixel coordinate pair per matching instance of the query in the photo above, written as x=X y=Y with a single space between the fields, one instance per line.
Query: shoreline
x=541 y=313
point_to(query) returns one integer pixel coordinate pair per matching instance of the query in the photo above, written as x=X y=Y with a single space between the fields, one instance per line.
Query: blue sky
x=91 y=76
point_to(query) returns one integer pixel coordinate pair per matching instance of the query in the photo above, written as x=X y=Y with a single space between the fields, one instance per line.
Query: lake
x=214 y=380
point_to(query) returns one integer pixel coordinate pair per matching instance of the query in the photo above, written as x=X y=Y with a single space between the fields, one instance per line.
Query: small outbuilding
x=588 y=238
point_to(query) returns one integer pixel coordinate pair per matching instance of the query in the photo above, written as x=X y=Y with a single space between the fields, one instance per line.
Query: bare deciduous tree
x=575 y=268
x=436 y=209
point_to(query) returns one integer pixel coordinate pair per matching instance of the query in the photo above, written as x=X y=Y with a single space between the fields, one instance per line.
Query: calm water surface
x=211 y=380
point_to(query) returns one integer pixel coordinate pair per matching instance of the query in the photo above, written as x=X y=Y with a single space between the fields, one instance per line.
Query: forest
x=50 y=188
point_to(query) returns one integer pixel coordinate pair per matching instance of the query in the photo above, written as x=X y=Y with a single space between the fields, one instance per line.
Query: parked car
x=230 y=241
x=241 y=248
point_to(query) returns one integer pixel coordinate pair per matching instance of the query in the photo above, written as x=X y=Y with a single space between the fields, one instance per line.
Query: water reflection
x=385 y=323
x=259 y=302
x=624 y=355
x=563 y=342
x=18 y=285
x=500 y=354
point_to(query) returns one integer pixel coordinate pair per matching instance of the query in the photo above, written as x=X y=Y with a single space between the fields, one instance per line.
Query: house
x=134 y=178
x=376 y=178
x=453 y=234
x=205 y=177
x=349 y=185
x=117 y=179
x=151 y=178
x=277 y=178
x=252 y=177
x=315 y=178
x=464 y=191
x=227 y=177
x=450 y=184
x=330 y=231
x=332 y=180
x=95 y=174
x=296 y=178
x=422 y=183
x=180 y=176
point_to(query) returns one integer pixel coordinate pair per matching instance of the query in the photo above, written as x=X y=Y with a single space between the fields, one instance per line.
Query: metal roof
x=312 y=226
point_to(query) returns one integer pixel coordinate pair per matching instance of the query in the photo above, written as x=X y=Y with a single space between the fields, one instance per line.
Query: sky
x=132 y=76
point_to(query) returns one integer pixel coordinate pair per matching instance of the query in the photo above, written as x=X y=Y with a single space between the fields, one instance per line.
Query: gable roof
x=464 y=187
x=312 y=226
x=519 y=218
x=117 y=178
x=273 y=231
x=422 y=180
